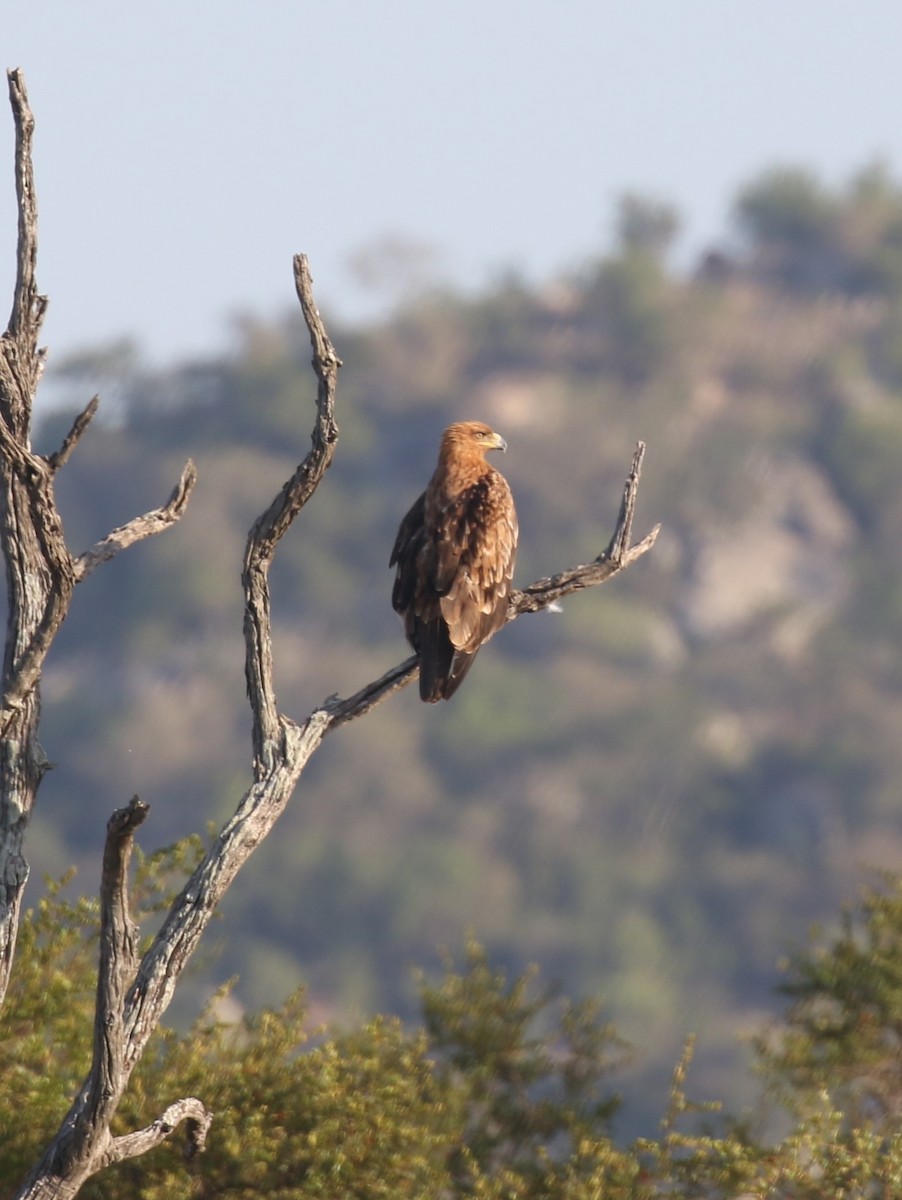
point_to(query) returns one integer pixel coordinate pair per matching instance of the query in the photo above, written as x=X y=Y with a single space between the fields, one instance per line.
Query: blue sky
x=185 y=150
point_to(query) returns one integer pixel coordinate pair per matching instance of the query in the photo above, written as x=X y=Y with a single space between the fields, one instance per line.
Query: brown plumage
x=455 y=552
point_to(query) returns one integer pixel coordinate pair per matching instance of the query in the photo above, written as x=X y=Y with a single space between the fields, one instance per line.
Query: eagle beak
x=499 y=443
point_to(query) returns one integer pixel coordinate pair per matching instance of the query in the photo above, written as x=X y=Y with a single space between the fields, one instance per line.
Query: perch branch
x=341 y=711
x=138 y=528
x=619 y=555
x=544 y=592
x=273 y=523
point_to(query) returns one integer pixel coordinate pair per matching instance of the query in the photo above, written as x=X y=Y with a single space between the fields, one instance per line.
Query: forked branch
x=190 y=1110
x=272 y=524
x=619 y=555
x=138 y=528
x=84 y=1143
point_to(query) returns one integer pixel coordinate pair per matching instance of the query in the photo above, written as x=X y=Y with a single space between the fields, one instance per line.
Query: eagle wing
x=406 y=553
x=474 y=561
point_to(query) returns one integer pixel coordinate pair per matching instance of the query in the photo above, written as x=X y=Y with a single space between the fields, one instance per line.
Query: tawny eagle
x=455 y=554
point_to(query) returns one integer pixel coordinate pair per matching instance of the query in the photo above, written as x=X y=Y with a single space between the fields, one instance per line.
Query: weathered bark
x=84 y=1144
x=269 y=527
x=131 y=995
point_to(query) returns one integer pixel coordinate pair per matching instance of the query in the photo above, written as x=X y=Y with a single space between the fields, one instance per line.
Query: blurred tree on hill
x=644 y=225
x=842 y=1035
x=631 y=296
x=810 y=239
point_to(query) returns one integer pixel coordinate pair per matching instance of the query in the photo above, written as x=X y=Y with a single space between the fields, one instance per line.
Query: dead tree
x=42 y=572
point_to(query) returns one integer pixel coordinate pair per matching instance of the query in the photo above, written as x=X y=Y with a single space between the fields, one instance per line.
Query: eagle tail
x=460 y=664
x=442 y=667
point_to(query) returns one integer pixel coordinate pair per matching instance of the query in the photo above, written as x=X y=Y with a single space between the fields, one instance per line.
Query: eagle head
x=474 y=435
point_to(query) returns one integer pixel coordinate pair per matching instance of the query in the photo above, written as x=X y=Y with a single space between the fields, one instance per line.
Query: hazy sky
x=186 y=149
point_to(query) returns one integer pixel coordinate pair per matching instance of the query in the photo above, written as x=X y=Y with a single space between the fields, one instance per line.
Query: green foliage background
x=501 y=1089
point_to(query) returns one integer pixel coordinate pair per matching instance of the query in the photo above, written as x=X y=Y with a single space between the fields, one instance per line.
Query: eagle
x=455 y=553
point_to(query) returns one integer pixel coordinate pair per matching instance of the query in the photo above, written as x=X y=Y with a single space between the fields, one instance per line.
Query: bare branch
x=118 y=959
x=84 y=1142
x=545 y=592
x=38 y=571
x=72 y=438
x=61 y=570
x=619 y=555
x=27 y=466
x=191 y=1110
x=273 y=523
x=28 y=307
x=341 y=711
x=257 y=812
x=139 y=528
x=623 y=531
x=26 y=674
